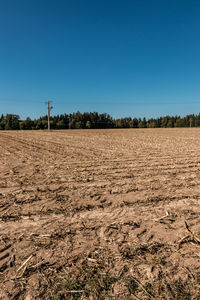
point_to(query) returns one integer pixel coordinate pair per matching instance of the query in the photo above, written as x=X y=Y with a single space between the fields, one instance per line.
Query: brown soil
x=100 y=214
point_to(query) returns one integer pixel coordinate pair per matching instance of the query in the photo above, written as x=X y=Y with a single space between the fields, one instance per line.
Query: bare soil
x=100 y=214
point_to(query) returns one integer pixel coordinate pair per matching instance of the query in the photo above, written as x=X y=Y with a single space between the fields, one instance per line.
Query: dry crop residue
x=100 y=214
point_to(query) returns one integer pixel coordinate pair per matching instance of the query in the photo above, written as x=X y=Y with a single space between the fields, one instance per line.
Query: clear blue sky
x=124 y=57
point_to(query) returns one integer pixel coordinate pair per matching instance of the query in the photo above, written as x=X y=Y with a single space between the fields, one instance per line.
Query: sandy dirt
x=100 y=214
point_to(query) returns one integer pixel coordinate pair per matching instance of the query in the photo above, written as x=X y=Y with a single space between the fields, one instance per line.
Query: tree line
x=94 y=120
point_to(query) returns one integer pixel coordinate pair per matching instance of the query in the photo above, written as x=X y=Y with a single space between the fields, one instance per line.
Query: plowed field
x=100 y=214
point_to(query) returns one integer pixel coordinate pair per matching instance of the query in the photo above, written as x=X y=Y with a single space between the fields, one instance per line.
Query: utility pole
x=191 y=122
x=49 y=109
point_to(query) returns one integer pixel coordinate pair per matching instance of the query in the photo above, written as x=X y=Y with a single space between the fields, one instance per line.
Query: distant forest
x=94 y=120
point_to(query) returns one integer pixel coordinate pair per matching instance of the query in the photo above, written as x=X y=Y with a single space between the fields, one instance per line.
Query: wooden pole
x=49 y=108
